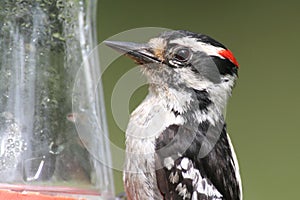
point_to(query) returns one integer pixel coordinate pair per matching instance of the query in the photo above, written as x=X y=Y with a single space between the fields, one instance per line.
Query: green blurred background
x=263 y=114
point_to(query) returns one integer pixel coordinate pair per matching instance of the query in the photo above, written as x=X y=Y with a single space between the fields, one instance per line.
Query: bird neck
x=192 y=104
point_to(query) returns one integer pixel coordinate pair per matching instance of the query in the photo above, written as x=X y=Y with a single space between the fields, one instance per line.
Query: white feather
x=236 y=167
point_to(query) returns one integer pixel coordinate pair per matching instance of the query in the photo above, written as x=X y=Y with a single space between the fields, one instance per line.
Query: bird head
x=184 y=61
x=182 y=58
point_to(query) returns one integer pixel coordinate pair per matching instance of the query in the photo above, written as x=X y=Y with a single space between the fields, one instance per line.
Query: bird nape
x=177 y=146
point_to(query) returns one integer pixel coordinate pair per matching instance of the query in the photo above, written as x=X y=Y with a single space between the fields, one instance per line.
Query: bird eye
x=182 y=54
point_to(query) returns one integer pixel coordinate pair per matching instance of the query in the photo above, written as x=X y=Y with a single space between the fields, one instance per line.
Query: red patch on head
x=226 y=53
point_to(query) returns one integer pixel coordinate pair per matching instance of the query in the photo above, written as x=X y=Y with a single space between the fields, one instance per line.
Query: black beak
x=141 y=53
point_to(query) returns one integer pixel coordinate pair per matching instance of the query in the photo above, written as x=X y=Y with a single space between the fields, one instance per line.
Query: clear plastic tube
x=52 y=116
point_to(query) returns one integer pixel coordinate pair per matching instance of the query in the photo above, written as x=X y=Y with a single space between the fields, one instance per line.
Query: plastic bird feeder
x=52 y=117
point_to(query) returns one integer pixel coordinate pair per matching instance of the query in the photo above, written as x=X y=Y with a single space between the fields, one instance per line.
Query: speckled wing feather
x=190 y=173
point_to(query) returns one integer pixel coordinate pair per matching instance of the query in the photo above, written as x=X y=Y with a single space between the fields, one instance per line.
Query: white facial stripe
x=198 y=46
x=191 y=80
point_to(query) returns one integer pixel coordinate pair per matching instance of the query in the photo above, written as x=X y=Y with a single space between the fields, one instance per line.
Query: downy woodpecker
x=177 y=146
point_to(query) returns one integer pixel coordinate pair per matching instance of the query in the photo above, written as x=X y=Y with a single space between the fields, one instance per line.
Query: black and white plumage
x=177 y=146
